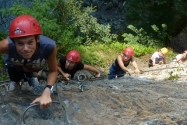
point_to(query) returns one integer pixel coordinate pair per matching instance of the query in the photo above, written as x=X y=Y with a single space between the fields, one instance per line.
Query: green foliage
x=180 y=69
x=143 y=13
x=4 y=77
x=3 y=35
x=139 y=49
x=67 y=42
x=171 y=55
x=173 y=76
x=90 y=29
x=2 y=61
x=147 y=39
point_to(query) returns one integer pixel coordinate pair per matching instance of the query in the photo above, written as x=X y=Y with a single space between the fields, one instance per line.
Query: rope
x=23 y=118
x=141 y=71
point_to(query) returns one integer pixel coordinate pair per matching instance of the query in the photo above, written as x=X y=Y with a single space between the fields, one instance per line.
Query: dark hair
x=36 y=37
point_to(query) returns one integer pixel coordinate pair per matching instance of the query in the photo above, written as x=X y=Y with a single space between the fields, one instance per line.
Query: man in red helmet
x=27 y=52
x=68 y=65
x=119 y=67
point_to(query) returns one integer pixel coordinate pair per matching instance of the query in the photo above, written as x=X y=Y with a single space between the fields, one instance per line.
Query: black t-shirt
x=116 y=66
x=72 y=72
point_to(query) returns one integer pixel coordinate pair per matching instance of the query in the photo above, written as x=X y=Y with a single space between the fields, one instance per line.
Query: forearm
x=155 y=64
x=60 y=71
x=164 y=61
x=125 y=69
x=90 y=68
x=51 y=78
x=94 y=70
x=135 y=65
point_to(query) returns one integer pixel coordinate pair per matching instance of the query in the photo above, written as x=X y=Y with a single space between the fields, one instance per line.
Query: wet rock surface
x=130 y=100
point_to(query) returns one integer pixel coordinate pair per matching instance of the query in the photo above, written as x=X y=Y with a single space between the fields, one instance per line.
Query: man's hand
x=137 y=71
x=97 y=75
x=66 y=75
x=130 y=71
x=44 y=100
x=161 y=62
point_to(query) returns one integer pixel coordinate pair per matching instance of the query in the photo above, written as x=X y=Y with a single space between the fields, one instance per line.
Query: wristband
x=50 y=87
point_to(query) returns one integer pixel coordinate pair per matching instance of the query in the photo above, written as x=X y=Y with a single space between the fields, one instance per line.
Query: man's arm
x=154 y=62
x=66 y=75
x=4 y=46
x=135 y=66
x=52 y=64
x=45 y=99
x=164 y=60
x=92 y=69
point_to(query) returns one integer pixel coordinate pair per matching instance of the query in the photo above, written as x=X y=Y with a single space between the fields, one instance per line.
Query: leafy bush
x=147 y=39
x=143 y=13
x=3 y=35
x=91 y=30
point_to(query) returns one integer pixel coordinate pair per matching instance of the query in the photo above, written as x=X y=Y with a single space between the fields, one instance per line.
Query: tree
x=144 y=13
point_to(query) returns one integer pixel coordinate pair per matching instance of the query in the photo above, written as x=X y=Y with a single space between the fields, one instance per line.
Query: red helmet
x=129 y=51
x=73 y=56
x=24 y=25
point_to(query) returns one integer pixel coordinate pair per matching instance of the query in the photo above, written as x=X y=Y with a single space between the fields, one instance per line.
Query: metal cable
x=58 y=102
x=23 y=118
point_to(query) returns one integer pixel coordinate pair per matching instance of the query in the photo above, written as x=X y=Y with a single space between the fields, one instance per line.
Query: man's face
x=25 y=46
x=184 y=55
x=126 y=57
x=69 y=64
x=161 y=54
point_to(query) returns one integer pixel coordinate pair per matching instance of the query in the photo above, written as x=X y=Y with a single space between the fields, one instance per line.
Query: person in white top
x=158 y=57
x=181 y=58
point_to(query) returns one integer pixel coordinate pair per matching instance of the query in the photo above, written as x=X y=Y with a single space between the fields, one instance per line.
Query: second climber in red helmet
x=119 y=67
x=71 y=63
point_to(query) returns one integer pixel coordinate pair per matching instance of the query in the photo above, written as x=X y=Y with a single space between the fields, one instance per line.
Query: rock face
x=130 y=100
